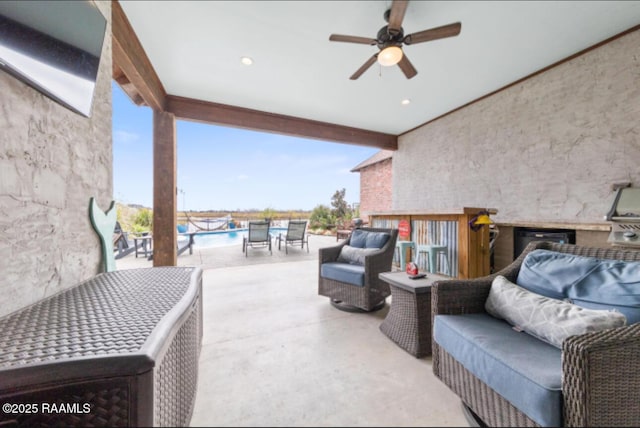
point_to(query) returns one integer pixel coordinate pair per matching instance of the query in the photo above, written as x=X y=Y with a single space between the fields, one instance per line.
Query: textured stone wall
x=375 y=188
x=51 y=162
x=546 y=149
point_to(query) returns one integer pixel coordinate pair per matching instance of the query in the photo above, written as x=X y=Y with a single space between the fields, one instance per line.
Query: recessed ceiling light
x=246 y=60
x=405 y=102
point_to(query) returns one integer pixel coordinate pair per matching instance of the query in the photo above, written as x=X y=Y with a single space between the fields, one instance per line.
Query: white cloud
x=125 y=136
x=242 y=177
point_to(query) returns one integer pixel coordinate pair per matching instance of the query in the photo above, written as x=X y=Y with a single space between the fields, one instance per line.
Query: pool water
x=225 y=238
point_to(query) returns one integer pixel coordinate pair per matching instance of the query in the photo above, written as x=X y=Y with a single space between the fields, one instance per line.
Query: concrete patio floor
x=276 y=354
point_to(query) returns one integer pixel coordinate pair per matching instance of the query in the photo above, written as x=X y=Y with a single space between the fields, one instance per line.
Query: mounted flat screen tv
x=55 y=47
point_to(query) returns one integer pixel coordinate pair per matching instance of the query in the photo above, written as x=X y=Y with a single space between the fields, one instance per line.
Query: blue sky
x=222 y=168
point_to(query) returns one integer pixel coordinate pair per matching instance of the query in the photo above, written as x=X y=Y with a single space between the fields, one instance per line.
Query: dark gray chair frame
x=372 y=296
x=258 y=236
x=296 y=234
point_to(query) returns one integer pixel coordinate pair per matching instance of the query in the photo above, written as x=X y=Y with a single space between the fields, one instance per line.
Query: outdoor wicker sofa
x=597 y=374
x=355 y=285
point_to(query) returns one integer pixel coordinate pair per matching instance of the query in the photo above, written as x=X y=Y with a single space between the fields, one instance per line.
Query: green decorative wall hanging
x=104 y=224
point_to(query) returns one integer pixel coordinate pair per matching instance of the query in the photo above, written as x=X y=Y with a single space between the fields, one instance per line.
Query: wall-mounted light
x=246 y=60
x=405 y=102
x=483 y=219
x=391 y=55
x=478 y=222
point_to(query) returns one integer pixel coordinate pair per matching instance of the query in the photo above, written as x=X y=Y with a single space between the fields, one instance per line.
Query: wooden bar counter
x=468 y=250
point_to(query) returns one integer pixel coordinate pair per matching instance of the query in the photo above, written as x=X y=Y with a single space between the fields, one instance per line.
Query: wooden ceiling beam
x=238 y=117
x=133 y=71
x=127 y=86
x=132 y=61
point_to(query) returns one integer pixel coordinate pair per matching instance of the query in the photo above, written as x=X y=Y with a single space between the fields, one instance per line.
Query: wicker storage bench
x=120 y=349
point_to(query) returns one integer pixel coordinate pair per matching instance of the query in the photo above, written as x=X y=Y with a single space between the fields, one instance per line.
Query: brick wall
x=375 y=188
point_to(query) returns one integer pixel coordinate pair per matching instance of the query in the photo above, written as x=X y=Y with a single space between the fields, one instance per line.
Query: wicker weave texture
x=491 y=407
x=605 y=386
x=125 y=342
x=408 y=322
x=176 y=379
x=601 y=370
x=110 y=314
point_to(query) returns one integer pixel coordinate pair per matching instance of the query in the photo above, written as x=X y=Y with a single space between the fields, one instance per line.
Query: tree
x=340 y=207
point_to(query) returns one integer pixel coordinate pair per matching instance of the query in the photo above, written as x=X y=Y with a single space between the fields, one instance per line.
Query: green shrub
x=322 y=218
x=143 y=221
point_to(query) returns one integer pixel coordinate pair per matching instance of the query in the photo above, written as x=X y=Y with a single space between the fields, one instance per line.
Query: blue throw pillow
x=376 y=239
x=358 y=238
x=587 y=281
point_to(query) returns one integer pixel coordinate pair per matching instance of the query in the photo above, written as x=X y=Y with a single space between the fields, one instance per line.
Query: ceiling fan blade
x=433 y=34
x=398 y=8
x=364 y=67
x=352 y=39
x=407 y=68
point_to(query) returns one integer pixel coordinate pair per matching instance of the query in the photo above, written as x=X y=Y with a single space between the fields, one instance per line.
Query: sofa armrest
x=466 y=296
x=455 y=296
x=330 y=254
x=377 y=262
x=601 y=378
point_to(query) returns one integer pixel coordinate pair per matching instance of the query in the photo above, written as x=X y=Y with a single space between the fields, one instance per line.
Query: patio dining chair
x=295 y=235
x=257 y=237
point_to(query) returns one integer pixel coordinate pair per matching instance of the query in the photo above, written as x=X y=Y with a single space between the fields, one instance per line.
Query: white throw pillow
x=354 y=255
x=550 y=320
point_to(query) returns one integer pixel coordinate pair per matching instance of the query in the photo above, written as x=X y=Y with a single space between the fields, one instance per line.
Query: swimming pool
x=224 y=238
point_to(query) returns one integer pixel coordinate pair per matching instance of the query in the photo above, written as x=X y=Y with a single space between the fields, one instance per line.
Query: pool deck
x=232 y=255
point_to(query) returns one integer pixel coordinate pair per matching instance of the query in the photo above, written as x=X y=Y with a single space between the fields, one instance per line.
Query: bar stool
x=432 y=256
x=401 y=248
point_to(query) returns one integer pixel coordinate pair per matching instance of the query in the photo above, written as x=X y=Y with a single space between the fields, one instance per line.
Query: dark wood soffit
x=535 y=73
x=239 y=117
x=131 y=60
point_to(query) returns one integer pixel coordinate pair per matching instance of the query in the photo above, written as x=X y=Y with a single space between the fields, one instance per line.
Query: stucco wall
x=51 y=162
x=546 y=149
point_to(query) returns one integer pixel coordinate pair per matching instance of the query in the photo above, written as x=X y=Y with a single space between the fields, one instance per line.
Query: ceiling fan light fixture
x=391 y=55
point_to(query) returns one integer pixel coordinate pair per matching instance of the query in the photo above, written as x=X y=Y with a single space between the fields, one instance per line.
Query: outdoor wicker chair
x=295 y=235
x=600 y=370
x=257 y=237
x=357 y=286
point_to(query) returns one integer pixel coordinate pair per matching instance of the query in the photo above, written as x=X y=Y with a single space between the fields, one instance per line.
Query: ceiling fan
x=391 y=37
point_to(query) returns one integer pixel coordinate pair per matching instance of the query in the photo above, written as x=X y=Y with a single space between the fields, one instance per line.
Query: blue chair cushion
x=343 y=272
x=376 y=239
x=358 y=238
x=366 y=239
x=587 y=281
x=524 y=370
